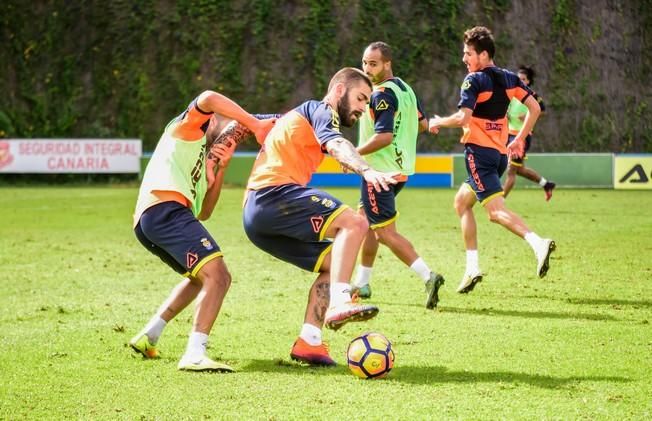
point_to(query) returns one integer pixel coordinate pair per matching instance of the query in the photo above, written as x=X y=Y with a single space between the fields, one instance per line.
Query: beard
x=347 y=118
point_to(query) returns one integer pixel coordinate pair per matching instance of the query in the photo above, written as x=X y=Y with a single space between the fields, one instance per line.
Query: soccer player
x=485 y=95
x=516 y=115
x=388 y=140
x=295 y=223
x=176 y=193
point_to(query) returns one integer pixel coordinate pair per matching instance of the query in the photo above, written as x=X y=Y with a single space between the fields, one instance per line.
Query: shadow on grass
x=432 y=375
x=609 y=302
x=531 y=314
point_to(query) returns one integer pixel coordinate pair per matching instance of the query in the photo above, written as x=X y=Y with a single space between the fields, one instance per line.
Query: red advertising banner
x=70 y=155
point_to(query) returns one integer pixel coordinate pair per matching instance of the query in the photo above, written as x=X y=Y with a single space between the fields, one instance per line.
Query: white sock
x=533 y=240
x=311 y=334
x=363 y=276
x=154 y=329
x=542 y=182
x=420 y=267
x=196 y=345
x=472 y=261
x=340 y=293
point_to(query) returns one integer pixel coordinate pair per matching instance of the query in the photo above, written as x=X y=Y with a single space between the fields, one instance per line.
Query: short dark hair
x=349 y=76
x=529 y=73
x=385 y=49
x=481 y=39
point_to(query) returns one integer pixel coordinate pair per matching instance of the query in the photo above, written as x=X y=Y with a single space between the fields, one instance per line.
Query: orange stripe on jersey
x=171 y=196
x=484 y=96
x=516 y=92
x=189 y=126
x=290 y=155
x=488 y=133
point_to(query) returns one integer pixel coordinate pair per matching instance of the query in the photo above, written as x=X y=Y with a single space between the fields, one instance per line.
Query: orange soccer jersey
x=488 y=93
x=294 y=148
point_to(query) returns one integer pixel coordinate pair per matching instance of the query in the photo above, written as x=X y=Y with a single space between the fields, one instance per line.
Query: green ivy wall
x=124 y=68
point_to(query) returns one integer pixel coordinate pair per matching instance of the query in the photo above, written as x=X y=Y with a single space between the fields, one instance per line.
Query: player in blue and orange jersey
x=176 y=193
x=295 y=223
x=516 y=115
x=485 y=96
x=388 y=141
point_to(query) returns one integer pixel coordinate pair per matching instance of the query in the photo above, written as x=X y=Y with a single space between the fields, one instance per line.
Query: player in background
x=388 y=139
x=295 y=223
x=485 y=95
x=516 y=116
x=177 y=193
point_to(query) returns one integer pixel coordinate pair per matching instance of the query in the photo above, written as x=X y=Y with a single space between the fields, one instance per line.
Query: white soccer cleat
x=469 y=281
x=202 y=364
x=336 y=317
x=542 y=253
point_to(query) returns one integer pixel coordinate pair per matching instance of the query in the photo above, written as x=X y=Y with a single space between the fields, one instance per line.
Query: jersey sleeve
x=469 y=91
x=517 y=89
x=383 y=105
x=326 y=124
x=192 y=123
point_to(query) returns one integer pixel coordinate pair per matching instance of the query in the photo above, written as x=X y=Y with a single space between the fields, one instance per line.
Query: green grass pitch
x=76 y=285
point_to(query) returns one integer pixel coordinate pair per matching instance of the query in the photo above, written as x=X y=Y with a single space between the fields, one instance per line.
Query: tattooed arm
x=234 y=132
x=232 y=135
x=346 y=154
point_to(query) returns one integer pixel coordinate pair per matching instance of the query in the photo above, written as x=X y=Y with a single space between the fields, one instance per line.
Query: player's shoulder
x=314 y=111
x=310 y=107
x=475 y=79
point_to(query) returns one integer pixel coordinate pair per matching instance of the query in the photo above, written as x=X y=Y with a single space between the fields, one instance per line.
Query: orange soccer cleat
x=311 y=354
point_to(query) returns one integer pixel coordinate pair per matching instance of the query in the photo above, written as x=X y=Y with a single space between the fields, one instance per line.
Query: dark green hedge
x=124 y=68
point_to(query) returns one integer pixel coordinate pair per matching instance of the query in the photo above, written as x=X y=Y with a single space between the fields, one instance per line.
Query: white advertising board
x=70 y=155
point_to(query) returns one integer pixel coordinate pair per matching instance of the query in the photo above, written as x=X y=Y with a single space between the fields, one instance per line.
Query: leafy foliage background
x=125 y=68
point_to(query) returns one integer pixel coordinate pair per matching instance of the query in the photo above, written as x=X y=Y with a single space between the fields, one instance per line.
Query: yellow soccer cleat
x=140 y=343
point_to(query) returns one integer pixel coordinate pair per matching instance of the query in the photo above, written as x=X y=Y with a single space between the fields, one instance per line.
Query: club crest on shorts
x=206 y=243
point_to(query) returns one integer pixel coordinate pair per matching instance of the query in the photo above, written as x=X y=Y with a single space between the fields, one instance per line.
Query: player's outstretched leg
x=309 y=347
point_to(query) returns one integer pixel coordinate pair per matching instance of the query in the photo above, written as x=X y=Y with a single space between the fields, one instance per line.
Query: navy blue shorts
x=519 y=161
x=484 y=166
x=379 y=206
x=170 y=231
x=290 y=221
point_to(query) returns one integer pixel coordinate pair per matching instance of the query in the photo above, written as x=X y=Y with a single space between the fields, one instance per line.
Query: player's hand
x=264 y=126
x=516 y=148
x=221 y=156
x=433 y=124
x=380 y=179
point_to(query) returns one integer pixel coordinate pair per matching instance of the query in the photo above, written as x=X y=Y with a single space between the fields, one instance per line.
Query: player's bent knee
x=356 y=222
x=215 y=273
x=460 y=206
